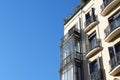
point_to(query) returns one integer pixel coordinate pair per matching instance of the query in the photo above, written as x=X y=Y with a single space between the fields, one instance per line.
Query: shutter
x=93 y=14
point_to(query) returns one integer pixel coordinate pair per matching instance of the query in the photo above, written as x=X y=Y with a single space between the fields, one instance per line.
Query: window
x=115 y=21
x=90 y=17
x=114 y=50
x=117 y=48
x=92 y=41
x=67 y=49
x=94 y=66
x=77 y=46
x=111 y=52
x=114 y=53
x=87 y=16
x=68 y=75
x=96 y=69
x=78 y=73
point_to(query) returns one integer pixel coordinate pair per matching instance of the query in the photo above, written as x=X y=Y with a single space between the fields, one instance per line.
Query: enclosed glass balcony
x=70 y=58
x=71 y=32
x=108 y=6
x=90 y=23
x=70 y=47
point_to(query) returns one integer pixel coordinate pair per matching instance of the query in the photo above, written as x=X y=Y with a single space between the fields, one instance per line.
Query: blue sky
x=30 y=35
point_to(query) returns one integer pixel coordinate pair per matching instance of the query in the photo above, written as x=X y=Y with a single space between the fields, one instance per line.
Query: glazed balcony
x=70 y=58
x=90 y=23
x=92 y=50
x=108 y=6
x=115 y=65
x=111 y=32
x=72 y=32
x=96 y=75
x=70 y=47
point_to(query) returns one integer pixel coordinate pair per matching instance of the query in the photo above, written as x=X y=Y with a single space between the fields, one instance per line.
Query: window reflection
x=67 y=49
x=68 y=75
x=92 y=41
x=115 y=21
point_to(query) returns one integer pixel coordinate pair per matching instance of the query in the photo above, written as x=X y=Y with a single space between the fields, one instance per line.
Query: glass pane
x=118 y=21
x=92 y=41
x=67 y=49
x=63 y=76
x=94 y=67
x=71 y=73
x=117 y=48
x=111 y=52
x=79 y=73
x=77 y=46
x=68 y=75
x=114 y=22
x=87 y=16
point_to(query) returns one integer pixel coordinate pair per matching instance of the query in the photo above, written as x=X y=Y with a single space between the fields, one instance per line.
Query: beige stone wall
x=99 y=29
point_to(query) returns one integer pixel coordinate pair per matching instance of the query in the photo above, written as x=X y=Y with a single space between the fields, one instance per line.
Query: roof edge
x=76 y=11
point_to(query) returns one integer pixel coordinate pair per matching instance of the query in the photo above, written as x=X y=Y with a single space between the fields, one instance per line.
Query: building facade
x=90 y=48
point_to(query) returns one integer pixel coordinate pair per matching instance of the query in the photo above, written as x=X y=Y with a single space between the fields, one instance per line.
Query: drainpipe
x=82 y=66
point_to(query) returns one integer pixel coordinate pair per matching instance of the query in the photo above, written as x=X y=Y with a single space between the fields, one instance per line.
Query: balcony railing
x=106 y=3
x=78 y=56
x=108 y=6
x=110 y=29
x=96 y=75
x=70 y=57
x=70 y=33
x=94 y=48
x=90 y=20
x=115 y=61
x=95 y=45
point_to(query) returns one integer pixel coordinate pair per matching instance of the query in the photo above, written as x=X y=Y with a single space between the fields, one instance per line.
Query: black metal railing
x=110 y=28
x=105 y=4
x=97 y=43
x=96 y=75
x=78 y=56
x=90 y=20
x=115 y=61
x=70 y=32
x=67 y=59
x=70 y=57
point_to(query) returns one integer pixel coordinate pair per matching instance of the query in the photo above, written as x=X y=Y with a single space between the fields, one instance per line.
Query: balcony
x=111 y=32
x=90 y=23
x=96 y=75
x=92 y=50
x=108 y=6
x=70 y=48
x=70 y=58
x=73 y=31
x=115 y=65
